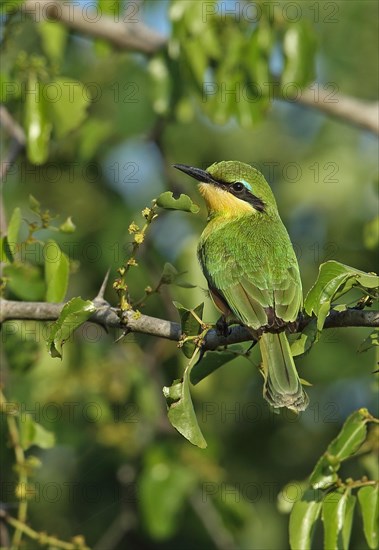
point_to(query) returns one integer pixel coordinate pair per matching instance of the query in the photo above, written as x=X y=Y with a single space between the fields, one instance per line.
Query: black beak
x=197 y=173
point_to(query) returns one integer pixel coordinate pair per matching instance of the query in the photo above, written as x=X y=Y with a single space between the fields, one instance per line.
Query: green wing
x=254 y=271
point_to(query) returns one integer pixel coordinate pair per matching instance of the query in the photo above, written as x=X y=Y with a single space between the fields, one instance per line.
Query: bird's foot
x=222 y=327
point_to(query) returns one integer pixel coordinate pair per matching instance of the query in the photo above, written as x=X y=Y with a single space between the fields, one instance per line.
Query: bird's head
x=232 y=188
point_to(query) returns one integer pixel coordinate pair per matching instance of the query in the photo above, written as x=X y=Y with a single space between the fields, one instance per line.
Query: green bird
x=253 y=276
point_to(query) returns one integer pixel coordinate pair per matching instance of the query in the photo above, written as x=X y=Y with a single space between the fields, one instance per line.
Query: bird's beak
x=197 y=173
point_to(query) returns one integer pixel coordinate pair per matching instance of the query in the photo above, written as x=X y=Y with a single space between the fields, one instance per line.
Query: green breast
x=250 y=261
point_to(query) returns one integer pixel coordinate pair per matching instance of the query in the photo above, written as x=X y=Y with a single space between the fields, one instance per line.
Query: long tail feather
x=282 y=387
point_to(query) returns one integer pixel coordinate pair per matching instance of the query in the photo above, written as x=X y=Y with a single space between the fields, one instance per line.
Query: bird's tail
x=282 y=387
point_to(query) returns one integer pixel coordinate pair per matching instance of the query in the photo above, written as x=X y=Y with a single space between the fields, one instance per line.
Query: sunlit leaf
x=166 y=200
x=54 y=37
x=34 y=204
x=57 y=268
x=299 y=47
x=14 y=226
x=36 y=122
x=371 y=234
x=73 y=314
x=303 y=518
x=68 y=101
x=334 y=280
x=347 y=442
x=32 y=433
x=181 y=412
x=26 y=281
x=337 y=516
x=368 y=498
x=351 y=436
x=306 y=339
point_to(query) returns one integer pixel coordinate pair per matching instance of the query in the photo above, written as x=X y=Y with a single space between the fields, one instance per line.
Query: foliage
x=97 y=419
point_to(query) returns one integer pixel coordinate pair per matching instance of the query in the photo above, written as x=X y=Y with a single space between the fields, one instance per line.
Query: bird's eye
x=238 y=187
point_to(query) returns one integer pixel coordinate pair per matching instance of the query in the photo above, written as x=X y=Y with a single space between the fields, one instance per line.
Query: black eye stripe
x=244 y=194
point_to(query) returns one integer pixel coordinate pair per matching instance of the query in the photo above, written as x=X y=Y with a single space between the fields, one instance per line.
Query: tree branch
x=361 y=113
x=144 y=324
x=127 y=33
x=132 y=34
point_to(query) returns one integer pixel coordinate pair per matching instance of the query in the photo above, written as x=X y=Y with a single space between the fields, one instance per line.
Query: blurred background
x=119 y=474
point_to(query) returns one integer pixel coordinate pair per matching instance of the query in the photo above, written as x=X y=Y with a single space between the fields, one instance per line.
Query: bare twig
x=144 y=324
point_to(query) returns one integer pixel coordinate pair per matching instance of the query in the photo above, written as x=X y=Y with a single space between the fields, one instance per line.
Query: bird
x=251 y=269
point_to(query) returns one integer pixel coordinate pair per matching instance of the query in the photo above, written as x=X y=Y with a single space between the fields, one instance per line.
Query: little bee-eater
x=253 y=276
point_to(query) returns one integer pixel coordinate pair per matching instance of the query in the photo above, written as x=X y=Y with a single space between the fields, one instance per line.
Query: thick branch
x=127 y=33
x=144 y=324
x=362 y=113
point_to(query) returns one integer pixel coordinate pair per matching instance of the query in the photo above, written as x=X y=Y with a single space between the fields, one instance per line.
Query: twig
x=109 y=317
x=43 y=539
x=22 y=476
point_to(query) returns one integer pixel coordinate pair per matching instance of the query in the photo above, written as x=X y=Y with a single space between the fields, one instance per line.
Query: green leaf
x=32 y=433
x=9 y=242
x=334 y=280
x=351 y=436
x=34 y=204
x=25 y=281
x=54 y=37
x=299 y=47
x=170 y=276
x=184 y=203
x=371 y=341
x=324 y=473
x=73 y=314
x=303 y=518
x=181 y=413
x=37 y=125
x=68 y=101
x=168 y=483
x=14 y=227
x=212 y=361
x=68 y=226
x=306 y=339
x=6 y=255
x=337 y=515
x=196 y=58
x=92 y=134
x=190 y=325
x=347 y=442
x=371 y=234
x=57 y=268
x=368 y=498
